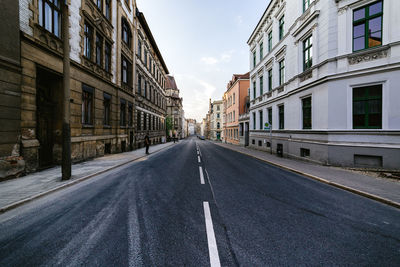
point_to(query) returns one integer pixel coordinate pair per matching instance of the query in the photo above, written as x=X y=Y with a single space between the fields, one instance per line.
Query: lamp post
x=66 y=128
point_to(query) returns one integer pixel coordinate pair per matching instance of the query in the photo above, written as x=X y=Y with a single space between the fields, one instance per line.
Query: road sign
x=267 y=126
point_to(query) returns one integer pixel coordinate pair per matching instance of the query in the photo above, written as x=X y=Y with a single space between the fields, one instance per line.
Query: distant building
x=244 y=121
x=215 y=115
x=235 y=98
x=174 y=108
x=325 y=74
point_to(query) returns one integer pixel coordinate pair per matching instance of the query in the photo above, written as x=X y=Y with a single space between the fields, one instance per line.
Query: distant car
x=201 y=137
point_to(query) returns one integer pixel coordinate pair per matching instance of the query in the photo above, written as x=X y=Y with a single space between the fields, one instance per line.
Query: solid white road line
x=212 y=243
x=198 y=159
x=201 y=175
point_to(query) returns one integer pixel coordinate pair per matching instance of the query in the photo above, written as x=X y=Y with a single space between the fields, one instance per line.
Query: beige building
x=151 y=79
x=103 y=38
x=215 y=113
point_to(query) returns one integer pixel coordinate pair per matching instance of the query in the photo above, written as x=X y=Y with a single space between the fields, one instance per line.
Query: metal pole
x=66 y=136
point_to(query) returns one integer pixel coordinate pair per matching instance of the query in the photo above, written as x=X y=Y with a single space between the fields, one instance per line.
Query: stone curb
x=58 y=188
x=322 y=180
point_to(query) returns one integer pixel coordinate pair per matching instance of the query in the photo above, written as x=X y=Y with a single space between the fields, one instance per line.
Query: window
x=254 y=90
x=304 y=152
x=234 y=116
x=281 y=27
x=261 y=121
x=139 y=51
x=282 y=117
x=261 y=51
x=145 y=57
x=261 y=85
x=270 y=80
x=307 y=115
x=50 y=16
x=99 y=4
x=218 y=107
x=254 y=121
x=367 y=107
x=270 y=41
x=88 y=41
x=122 y=110
x=218 y=116
x=367 y=26
x=307 y=53
x=126 y=32
x=234 y=97
x=130 y=114
x=218 y=125
x=87 y=105
x=126 y=71
x=139 y=121
x=270 y=116
x=254 y=59
x=108 y=9
x=145 y=122
x=107 y=57
x=281 y=72
x=99 y=49
x=107 y=109
x=139 y=85
x=306 y=4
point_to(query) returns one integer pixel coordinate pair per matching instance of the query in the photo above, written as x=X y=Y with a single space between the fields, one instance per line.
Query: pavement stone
x=358 y=183
x=27 y=187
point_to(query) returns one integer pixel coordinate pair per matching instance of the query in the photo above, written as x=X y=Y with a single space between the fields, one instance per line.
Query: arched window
x=218 y=125
x=126 y=32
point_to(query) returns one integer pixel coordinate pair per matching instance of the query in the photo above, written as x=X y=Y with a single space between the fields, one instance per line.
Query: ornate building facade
x=324 y=74
x=110 y=111
x=174 y=109
x=151 y=80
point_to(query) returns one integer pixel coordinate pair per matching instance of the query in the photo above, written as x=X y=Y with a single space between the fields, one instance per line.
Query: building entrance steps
x=380 y=189
x=16 y=192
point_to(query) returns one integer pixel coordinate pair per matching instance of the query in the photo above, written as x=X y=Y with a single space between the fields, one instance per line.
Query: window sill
x=87 y=126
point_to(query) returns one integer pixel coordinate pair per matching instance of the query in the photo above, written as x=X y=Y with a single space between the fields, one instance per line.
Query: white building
x=326 y=75
x=216 y=119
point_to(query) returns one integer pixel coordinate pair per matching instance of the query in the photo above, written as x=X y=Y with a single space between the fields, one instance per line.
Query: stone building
x=11 y=162
x=104 y=63
x=325 y=74
x=174 y=108
x=151 y=79
x=234 y=103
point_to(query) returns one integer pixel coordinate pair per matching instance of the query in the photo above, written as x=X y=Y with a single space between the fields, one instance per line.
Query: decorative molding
x=281 y=52
x=305 y=75
x=367 y=56
x=280 y=89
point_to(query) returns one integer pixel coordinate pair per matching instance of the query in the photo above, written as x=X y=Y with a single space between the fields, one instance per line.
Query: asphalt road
x=157 y=212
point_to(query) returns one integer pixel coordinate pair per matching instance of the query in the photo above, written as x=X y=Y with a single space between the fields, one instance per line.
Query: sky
x=203 y=43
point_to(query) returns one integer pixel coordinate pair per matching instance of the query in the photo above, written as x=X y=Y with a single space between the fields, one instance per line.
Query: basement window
x=304 y=152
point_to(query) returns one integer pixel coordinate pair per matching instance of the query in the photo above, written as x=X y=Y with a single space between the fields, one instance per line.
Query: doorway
x=48 y=87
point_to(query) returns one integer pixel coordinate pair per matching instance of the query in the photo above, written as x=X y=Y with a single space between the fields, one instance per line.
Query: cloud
x=224 y=57
x=209 y=60
x=196 y=95
x=239 y=20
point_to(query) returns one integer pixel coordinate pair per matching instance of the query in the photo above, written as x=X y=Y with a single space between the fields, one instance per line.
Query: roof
x=147 y=30
x=236 y=77
x=171 y=84
x=259 y=22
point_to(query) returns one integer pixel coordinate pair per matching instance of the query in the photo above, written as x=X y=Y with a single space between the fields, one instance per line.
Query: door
x=246 y=134
x=45 y=117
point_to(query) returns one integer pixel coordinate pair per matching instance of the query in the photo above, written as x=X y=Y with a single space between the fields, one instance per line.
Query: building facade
x=325 y=75
x=235 y=98
x=215 y=117
x=151 y=79
x=174 y=109
x=104 y=99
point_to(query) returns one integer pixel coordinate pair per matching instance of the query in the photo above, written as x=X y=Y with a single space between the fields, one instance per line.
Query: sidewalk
x=383 y=190
x=21 y=190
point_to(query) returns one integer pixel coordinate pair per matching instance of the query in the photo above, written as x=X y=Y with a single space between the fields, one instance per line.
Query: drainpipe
x=66 y=136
